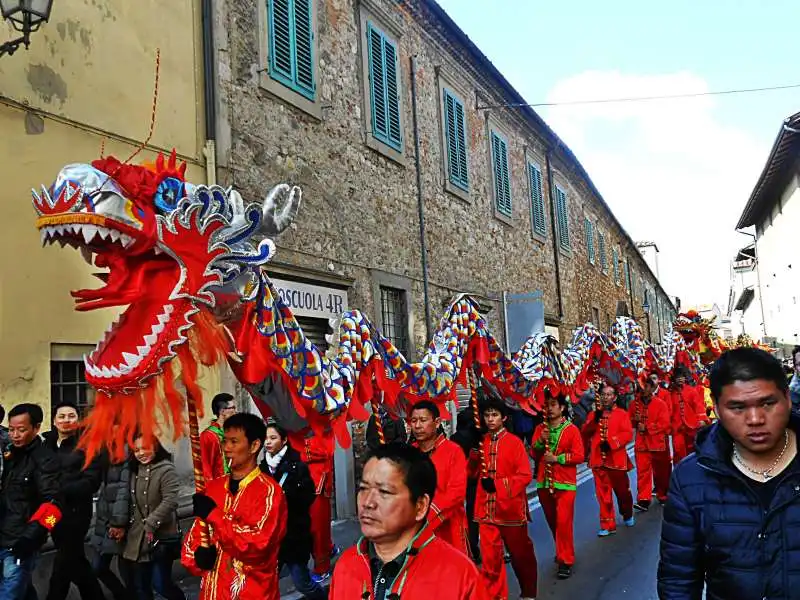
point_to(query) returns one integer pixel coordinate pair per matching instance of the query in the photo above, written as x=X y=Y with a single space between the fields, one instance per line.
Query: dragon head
x=166 y=250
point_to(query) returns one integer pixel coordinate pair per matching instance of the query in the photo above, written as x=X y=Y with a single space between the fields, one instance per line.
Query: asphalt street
x=613 y=568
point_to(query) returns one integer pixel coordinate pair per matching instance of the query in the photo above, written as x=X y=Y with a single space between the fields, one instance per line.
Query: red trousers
x=559 y=511
x=523 y=559
x=321 y=533
x=653 y=470
x=607 y=481
x=682 y=445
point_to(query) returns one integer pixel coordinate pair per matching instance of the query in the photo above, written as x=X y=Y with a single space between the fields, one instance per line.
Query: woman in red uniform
x=611 y=431
x=558 y=450
x=246 y=516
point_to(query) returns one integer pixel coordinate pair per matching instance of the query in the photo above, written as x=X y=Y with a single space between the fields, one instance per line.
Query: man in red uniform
x=317 y=453
x=398 y=555
x=558 y=450
x=501 y=507
x=211 y=438
x=688 y=415
x=447 y=516
x=611 y=431
x=246 y=517
x=650 y=416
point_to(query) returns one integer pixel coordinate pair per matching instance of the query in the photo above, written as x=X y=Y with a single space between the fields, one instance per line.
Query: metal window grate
x=395 y=319
x=68 y=384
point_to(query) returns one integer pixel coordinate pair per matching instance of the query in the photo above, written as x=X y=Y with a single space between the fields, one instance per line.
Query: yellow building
x=85 y=83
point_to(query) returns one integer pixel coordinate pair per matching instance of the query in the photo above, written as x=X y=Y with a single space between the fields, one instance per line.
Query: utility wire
x=647 y=98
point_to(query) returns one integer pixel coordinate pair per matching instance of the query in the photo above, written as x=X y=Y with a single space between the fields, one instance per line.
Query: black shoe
x=642 y=506
x=564 y=571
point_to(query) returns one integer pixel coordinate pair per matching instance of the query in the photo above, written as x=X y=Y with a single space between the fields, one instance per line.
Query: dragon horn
x=279 y=215
x=37 y=202
x=46 y=196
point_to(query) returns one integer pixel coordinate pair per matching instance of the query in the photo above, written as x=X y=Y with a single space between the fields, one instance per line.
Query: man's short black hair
x=492 y=403
x=253 y=427
x=219 y=402
x=34 y=411
x=429 y=406
x=65 y=404
x=746 y=364
x=2 y=413
x=418 y=471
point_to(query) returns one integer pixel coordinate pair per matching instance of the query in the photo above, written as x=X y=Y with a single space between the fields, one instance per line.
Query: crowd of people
x=438 y=516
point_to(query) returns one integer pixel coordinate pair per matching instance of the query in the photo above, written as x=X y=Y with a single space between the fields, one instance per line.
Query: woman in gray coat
x=152 y=543
x=111 y=521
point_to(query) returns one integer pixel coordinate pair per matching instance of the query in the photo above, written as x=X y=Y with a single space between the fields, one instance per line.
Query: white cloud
x=671 y=171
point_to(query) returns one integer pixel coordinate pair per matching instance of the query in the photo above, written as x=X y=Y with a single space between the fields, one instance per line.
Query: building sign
x=307 y=300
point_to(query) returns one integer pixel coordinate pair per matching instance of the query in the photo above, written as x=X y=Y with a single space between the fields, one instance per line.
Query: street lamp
x=646 y=309
x=25 y=16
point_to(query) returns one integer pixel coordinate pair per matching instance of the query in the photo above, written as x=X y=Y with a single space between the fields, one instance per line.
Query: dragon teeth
x=89 y=232
x=131 y=359
x=150 y=339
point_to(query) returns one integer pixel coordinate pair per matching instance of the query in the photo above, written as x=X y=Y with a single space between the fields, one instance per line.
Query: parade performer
x=246 y=513
x=317 y=452
x=398 y=555
x=558 y=450
x=650 y=416
x=211 y=439
x=501 y=507
x=688 y=415
x=611 y=431
x=447 y=516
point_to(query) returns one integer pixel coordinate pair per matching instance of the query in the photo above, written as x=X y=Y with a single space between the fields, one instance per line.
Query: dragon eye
x=169 y=192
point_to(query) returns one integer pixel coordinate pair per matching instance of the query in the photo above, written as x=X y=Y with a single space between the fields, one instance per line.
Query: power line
x=647 y=98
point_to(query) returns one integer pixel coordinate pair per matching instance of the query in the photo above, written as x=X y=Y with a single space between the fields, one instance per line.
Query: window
x=615 y=261
x=384 y=88
x=456 y=138
x=562 y=218
x=502 y=184
x=291 y=48
x=601 y=246
x=589 y=229
x=395 y=318
x=596 y=317
x=68 y=384
x=537 y=200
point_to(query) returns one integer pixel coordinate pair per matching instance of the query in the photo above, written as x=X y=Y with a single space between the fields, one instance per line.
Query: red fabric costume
x=434 y=570
x=247 y=529
x=447 y=516
x=653 y=462
x=688 y=415
x=211 y=452
x=610 y=468
x=318 y=455
x=503 y=515
x=557 y=482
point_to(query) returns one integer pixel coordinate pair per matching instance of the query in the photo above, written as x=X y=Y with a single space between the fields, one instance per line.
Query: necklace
x=766 y=474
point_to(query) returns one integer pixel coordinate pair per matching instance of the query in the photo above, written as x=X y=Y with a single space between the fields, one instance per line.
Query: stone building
x=404 y=136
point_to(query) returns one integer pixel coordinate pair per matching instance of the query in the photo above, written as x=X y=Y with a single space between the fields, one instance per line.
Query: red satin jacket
x=318 y=455
x=616 y=429
x=654 y=417
x=506 y=461
x=247 y=529
x=688 y=409
x=211 y=453
x=447 y=515
x=566 y=443
x=433 y=569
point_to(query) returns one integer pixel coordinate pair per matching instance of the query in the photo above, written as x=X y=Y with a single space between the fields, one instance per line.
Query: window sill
x=503 y=218
x=456 y=191
x=387 y=151
x=289 y=96
x=539 y=237
x=565 y=251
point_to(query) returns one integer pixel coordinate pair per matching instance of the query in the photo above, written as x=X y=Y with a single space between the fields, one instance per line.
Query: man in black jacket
x=78 y=485
x=732 y=518
x=28 y=500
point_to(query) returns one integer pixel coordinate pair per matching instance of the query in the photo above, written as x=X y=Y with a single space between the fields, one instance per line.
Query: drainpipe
x=420 y=207
x=556 y=256
x=209 y=92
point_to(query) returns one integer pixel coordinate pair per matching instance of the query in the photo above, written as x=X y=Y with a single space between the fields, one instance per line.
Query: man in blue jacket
x=732 y=519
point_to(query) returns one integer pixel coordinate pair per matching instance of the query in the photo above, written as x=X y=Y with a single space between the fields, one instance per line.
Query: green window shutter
x=456 y=136
x=601 y=243
x=589 y=229
x=384 y=93
x=537 y=199
x=502 y=185
x=615 y=260
x=627 y=275
x=563 y=218
x=291 y=49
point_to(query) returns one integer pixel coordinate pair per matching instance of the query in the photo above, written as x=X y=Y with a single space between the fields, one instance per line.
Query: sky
x=676 y=172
